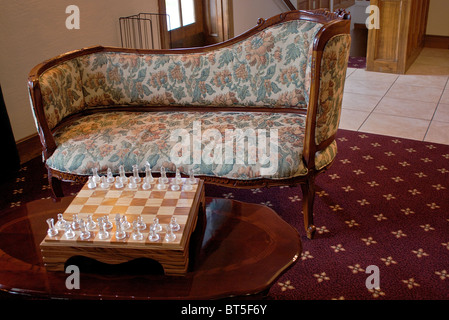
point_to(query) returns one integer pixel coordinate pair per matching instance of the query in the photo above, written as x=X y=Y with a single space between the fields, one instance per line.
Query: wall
x=32 y=31
x=438 y=22
x=247 y=12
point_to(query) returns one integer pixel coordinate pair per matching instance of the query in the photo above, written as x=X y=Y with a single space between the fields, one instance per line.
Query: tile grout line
x=438 y=104
x=371 y=112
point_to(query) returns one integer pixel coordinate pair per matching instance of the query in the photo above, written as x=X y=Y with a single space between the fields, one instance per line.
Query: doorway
x=197 y=23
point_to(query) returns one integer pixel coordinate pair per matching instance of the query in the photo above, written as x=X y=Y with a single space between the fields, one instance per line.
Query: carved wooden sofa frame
x=324 y=70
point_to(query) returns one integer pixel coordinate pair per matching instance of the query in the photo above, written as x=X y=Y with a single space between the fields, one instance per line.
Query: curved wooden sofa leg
x=55 y=186
x=308 y=191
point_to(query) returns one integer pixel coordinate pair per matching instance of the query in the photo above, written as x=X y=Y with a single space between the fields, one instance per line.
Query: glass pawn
x=140 y=223
x=70 y=234
x=153 y=235
x=124 y=222
x=137 y=235
x=85 y=234
x=102 y=233
x=75 y=222
x=118 y=183
x=192 y=178
x=104 y=184
x=107 y=223
x=91 y=225
x=91 y=183
x=169 y=235
x=52 y=231
x=187 y=185
x=156 y=225
x=132 y=183
x=61 y=223
x=110 y=177
x=174 y=225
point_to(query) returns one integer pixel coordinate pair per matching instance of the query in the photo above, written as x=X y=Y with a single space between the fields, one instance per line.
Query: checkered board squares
x=149 y=204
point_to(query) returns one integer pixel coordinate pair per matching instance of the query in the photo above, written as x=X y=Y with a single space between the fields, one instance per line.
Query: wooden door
x=185 y=22
x=213 y=22
x=218 y=22
x=396 y=44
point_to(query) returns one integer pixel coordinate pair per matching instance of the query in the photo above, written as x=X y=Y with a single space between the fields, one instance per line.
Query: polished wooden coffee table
x=238 y=249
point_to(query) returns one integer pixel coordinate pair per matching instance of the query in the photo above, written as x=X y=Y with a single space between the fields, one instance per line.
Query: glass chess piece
x=148 y=174
x=95 y=175
x=140 y=223
x=110 y=177
x=187 y=185
x=176 y=181
x=91 y=225
x=136 y=176
x=161 y=185
x=153 y=235
x=91 y=183
x=132 y=183
x=163 y=177
x=84 y=234
x=169 y=235
x=120 y=234
x=156 y=225
x=102 y=233
x=174 y=225
x=137 y=235
x=192 y=178
x=107 y=223
x=69 y=234
x=52 y=231
x=61 y=223
x=125 y=224
x=75 y=222
x=148 y=177
x=104 y=184
x=118 y=183
x=122 y=174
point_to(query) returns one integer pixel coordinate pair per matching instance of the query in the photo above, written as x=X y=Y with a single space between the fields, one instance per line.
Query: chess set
x=118 y=219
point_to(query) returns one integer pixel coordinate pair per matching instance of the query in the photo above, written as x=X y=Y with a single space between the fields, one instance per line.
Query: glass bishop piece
x=52 y=231
x=122 y=175
x=136 y=176
x=95 y=175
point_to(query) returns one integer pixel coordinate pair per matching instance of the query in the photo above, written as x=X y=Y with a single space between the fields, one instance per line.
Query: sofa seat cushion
x=186 y=140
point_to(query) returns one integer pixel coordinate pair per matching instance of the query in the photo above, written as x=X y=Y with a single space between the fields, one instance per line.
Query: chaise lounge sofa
x=259 y=110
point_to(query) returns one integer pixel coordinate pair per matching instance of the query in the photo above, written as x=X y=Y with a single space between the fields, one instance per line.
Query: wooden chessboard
x=149 y=204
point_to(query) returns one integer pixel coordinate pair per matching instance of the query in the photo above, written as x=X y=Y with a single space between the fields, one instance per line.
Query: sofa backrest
x=268 y=69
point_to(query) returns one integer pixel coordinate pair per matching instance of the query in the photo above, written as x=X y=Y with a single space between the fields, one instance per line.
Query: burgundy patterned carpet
x=357 y=62
x=384 y=202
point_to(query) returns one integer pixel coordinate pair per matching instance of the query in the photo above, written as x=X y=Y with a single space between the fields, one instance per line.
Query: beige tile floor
x=414 y=105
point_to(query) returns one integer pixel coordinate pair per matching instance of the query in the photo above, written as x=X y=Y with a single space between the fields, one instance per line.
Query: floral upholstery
x=110 y=139
x=270 y=69
x=333 y=74
x=62 y=93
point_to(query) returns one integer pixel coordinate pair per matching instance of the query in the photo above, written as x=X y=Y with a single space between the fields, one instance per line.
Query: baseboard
x=29 y=148
x=439 y=42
